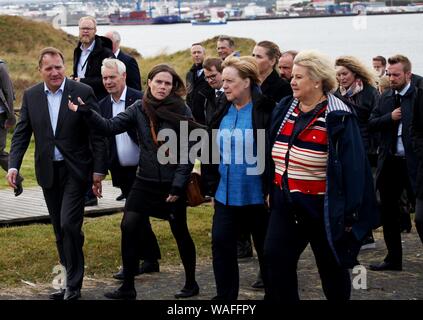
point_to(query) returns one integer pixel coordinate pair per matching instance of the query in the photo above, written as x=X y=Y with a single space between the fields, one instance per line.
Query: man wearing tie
x=124 y=151
x=397 y=161
x=214 y=99
x=133 y=77
x=63 y=159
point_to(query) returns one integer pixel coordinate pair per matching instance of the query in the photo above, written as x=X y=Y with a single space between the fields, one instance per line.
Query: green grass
x=29 y=252
x=21 y=51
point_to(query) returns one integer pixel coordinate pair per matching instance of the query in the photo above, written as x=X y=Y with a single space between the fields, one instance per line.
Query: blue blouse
x=237 y=151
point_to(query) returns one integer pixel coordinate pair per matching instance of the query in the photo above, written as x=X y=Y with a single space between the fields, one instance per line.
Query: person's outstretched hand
x=74 y=107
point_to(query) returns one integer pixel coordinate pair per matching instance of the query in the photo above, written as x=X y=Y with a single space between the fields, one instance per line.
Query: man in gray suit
x=66 y=152
x=7 y=118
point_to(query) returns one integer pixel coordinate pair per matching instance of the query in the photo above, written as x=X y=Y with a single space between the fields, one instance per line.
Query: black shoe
x=120 y=197
x=258 y=284
x=72 y=294
x=119 y=275
x=120 y=294
x=19 y=189
x=91 y=202
x=149 y=267
x=385 y=266
x=188 y=292
x=58 y=295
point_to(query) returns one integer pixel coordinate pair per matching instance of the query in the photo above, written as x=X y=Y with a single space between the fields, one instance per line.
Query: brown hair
x=51 y=51
x=380 y=59
x=231 y=42
x=178 y=86
x=213 y=62
x=398 y=58
x=358 y=68
x=272 y=50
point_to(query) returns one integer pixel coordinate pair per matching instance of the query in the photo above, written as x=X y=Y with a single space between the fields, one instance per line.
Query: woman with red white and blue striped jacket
x=322 y=190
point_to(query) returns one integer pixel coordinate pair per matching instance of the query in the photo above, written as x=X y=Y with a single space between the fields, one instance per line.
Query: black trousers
x=146 y=199
x=287 y=237
x=65 y=203
x=419 y=218
x=227 y=222
x=123 y=177
x=393 y=180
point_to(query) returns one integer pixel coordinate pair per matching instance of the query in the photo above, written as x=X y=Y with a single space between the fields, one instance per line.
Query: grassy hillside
x=26 y=38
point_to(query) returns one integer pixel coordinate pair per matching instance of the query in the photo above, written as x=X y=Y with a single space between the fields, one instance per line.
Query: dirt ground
x=388 y=285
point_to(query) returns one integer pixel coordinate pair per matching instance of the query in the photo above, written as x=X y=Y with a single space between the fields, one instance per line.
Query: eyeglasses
x=86 y=29
x=211 y=77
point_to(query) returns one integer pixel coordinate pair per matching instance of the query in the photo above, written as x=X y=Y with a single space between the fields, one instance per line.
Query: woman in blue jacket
x=322 y=190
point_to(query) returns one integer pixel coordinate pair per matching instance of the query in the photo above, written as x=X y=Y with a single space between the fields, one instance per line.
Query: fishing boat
x=140 y=16
x=215 y=18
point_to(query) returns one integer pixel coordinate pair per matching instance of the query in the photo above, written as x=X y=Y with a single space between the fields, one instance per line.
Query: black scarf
x=171 y=109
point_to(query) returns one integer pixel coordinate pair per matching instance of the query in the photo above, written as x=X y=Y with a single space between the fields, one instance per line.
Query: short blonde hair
x=319 y=67
x=246 y=66
x=90 y=18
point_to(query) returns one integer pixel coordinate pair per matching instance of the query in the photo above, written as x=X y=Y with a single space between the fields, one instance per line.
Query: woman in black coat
x=161 y=176
x=267 y=55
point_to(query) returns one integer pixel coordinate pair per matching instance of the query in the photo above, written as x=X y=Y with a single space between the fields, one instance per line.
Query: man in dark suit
x=133 y=76
x=87 y=58
x=124 y=151
x=7 y=119
x=397 y=161
x=197 y=86
x=63 y=159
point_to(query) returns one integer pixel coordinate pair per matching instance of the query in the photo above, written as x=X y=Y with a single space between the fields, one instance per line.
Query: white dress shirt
x=54 y=100
x=400 y=144
x=83 y=60
x=128 y=152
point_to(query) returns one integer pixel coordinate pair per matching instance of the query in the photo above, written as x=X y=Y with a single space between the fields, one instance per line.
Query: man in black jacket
x=89 y=54
x=124 y=151
x=66 y=153
x=133 y=76
x=196 y=83
x=87 y=58
x=397 y=161
x=7 y=119
x=214 y=99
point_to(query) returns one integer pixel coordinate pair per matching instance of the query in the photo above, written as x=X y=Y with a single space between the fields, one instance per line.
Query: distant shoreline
x=232 y=19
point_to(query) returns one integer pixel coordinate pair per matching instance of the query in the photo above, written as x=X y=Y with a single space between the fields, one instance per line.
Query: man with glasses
x=89 y=54
x=197 y=87
x=213 y=73
x=87 y=59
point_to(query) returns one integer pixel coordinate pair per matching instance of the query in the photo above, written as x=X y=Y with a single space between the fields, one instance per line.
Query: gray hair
x=111 y=63
x=115 y=36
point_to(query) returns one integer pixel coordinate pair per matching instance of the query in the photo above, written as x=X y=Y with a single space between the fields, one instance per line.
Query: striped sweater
x=306 y=159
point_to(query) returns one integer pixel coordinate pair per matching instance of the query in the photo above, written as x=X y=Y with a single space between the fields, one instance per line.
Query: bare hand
x=267 y=202
x=396 y=114
x=97 y=186
x=9 y=123
x=11 y=178
x=74 y=107
x=172 y=198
